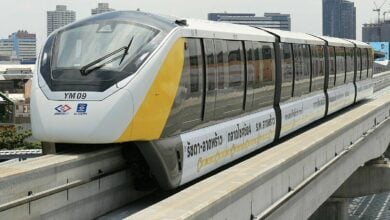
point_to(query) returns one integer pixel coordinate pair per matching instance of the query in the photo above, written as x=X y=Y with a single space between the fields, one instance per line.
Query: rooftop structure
x=102 y=8
x=270 y=20
x=339 y=19
x=58 y=18
x=19 y=46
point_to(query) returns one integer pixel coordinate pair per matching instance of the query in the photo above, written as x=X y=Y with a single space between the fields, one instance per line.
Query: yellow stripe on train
x=154 y=111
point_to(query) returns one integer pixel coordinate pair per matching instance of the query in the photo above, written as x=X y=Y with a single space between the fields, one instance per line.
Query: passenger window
x=358 y=64
x=211 y=79
x=340 y=66
x=350 y=64
x=332 y=67
x=287 y=71
x=302 y=69
x=250 y=62
x=192 y=84
x=364 y=64
x=236 y=67
x=370 y=62
x=230 y=92
x=318 y=68
x=210 y=64
x=264 y=77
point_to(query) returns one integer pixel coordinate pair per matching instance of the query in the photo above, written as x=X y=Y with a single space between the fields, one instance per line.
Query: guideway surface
x=291 y=180
x=66 y=186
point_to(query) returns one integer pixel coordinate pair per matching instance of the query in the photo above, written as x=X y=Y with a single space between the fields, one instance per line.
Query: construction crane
x=384 y=15
x=378 y=9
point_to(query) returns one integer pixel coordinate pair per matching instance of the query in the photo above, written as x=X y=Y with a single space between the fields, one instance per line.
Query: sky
x=306 y=15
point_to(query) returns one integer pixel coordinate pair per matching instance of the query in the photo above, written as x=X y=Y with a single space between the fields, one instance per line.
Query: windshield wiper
x=85 y=69
x=126 y=50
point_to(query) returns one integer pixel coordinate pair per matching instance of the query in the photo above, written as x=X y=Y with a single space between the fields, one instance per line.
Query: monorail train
x=189 y=95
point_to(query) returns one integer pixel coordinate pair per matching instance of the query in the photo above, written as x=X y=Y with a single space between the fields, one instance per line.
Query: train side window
x=332 y=67
x=364 y=64
x=350 y=59
x=302 y=69
x=340 y=66
x=236 y=67
x=211 y=79
x=210 y=64
x=221 y=52
x=370 y=62
x=236 y=77
x=318 y=68
x=287 y=71
x=264 y=77
x=358 y=63
x=251 y=68
x=193 y=84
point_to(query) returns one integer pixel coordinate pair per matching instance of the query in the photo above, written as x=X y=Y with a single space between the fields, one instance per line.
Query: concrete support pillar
x=332 y=209
x=373 y=178
x=48 y=148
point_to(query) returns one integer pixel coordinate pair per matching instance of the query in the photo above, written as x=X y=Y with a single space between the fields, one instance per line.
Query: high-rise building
x=20 y=46
x=376 y=32
x=270 y=20
x=58 y=18
x=102 y=7
x=339 y=19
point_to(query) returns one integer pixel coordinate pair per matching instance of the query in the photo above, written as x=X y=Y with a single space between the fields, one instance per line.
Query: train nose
x=81 y=121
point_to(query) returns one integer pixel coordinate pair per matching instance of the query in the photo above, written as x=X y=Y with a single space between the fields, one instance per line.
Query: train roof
x=359 y=43
x=336 y=42
x=295 y=37
x=212 y=29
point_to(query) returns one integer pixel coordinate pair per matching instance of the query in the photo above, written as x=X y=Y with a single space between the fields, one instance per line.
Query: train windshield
x=80 y=46
x=97 y=53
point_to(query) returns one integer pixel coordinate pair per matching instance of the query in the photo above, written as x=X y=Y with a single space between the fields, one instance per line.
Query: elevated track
x=85 y=185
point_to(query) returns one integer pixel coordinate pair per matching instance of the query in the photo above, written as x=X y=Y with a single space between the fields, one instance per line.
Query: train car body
x=191 y=95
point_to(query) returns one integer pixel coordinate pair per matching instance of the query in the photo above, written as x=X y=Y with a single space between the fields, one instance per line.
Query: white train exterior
x=190 y=95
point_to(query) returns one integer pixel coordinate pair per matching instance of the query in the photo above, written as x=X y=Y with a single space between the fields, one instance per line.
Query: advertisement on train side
x=381 y=47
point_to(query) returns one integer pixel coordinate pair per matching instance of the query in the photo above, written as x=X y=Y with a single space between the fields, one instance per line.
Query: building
x=376 y=32
x=58 y=18
x=339 y=19
x=102 y=7
x=20 y=46
x=270 y=20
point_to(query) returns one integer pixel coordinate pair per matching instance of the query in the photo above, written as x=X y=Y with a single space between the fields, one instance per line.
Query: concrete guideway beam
x=291 y=180
x=381 y=80
x=71 y=186
x=47 y=172
x=367 y=180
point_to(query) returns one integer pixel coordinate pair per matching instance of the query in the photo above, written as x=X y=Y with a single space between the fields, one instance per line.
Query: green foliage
x=12 y=140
